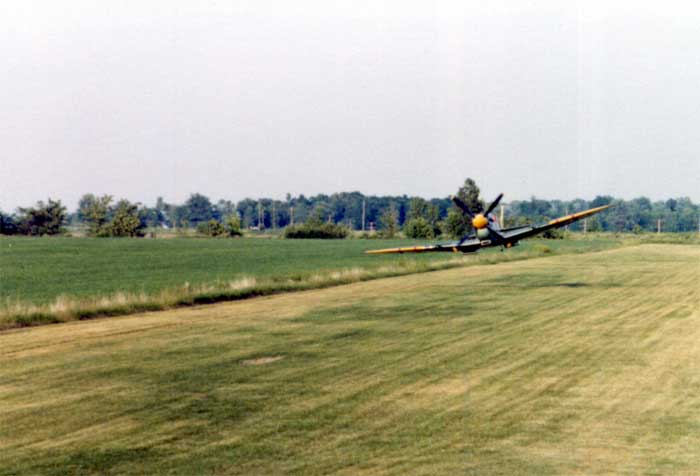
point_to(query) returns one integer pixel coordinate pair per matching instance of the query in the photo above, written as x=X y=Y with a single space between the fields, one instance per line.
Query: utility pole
x=658 y=226
x=585 y=225
x=501 y=221
x=291 y=211
x=260 y=214
x=364 y=211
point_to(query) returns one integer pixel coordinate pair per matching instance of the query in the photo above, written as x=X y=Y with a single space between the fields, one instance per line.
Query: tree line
x=387 y=215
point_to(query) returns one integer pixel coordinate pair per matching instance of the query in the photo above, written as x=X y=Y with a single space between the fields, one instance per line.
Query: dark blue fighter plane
x=487 y=231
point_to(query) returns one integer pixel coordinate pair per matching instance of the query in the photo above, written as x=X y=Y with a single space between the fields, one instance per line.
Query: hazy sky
x=233 y=99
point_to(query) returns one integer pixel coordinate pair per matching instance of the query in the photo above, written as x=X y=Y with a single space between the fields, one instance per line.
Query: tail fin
x=493 y=222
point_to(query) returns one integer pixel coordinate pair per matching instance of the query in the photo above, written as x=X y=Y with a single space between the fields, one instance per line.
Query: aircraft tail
x=494 y=224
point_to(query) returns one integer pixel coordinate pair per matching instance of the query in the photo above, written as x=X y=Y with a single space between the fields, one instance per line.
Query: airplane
x=488 y=231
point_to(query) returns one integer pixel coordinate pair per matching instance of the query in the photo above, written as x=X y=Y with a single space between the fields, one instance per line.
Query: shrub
x=366 y=235
x=316 y=229
x=212 y=228
x=418 y=228
x=233 y=226
x=554 y=234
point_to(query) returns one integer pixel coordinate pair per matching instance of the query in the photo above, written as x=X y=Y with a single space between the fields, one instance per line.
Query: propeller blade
x=493 y=205
x=463 y=206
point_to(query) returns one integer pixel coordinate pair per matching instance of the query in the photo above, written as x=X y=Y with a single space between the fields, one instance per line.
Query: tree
x=248 y=211
x=95 y=211
x=44 y=219
x=593 y=224
x=418 y=228
x=469 y=193
x=126 y=222
x=601 y=200
x=418 y=208
x=7 y=224
x=433 y=219
x=198 y=209
x=389 y=222
x=178 y=216
x=224 y=208
x=163 y=211
x=457 y=223
x=153 y=216
x=642 y=210
x=619 y=217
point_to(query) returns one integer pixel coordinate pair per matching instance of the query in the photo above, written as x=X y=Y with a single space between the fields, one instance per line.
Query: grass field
x=40 y=269
x=58 y=279
x=584 y=364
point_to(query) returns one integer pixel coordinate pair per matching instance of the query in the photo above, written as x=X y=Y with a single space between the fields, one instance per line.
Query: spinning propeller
x=480 y=219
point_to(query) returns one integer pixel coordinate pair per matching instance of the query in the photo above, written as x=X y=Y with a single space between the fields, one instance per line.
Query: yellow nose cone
x=480 y=222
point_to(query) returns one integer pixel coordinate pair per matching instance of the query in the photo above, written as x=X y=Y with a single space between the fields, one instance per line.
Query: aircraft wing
x=467 y=246
x=514 y=234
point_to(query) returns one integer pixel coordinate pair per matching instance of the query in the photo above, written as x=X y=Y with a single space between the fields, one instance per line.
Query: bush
x=212 y=228
x=366 y=235
x=554 y=234
x=418 y=228
x=316 y=229
x=233 y=226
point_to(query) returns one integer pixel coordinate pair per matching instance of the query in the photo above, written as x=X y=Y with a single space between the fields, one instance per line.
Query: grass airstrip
x=567 y=364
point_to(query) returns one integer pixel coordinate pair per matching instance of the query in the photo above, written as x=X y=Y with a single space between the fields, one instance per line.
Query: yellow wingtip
x=579 y=215
x=387 y=251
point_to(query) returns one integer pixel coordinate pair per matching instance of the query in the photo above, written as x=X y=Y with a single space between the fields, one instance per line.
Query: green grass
x=40 y=269
x=46 y=280
x=571 y=364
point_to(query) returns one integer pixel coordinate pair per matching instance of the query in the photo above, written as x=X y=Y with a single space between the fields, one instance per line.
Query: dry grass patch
x=262 y=360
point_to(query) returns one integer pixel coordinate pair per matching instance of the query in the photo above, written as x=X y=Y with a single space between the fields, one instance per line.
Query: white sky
x=234 y=99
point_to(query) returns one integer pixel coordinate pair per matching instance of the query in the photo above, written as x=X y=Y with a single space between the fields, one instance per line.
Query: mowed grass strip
x=51 y=280
x=581 y=364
